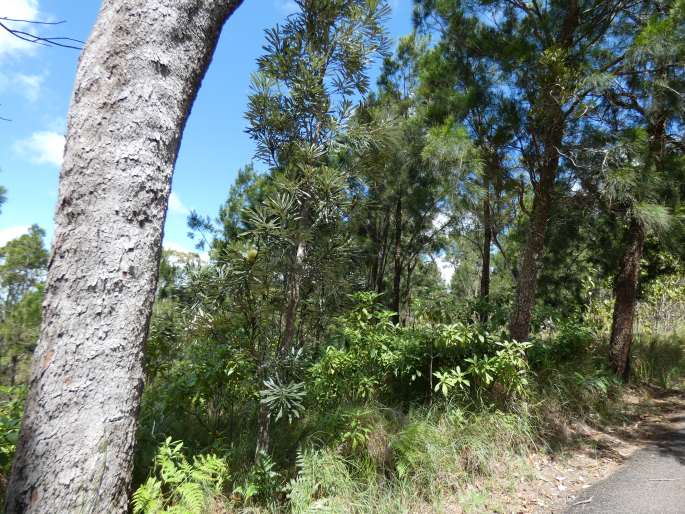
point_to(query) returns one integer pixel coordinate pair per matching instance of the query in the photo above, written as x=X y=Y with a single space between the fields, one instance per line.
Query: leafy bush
x=178 y=486
x=662 y=310
x=568 y=340
x=375 y=360
x=11 y=410
x=262 y=481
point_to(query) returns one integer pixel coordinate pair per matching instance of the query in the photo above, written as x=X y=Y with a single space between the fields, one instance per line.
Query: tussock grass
x=659 y=359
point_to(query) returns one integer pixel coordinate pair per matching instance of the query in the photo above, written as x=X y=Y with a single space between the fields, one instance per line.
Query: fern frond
x=192 y=498
x=147 y=498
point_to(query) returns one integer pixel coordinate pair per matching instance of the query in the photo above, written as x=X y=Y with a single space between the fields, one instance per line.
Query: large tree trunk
x=548 y=126
x=136 y=81
x=625 y=301
x=519 y=325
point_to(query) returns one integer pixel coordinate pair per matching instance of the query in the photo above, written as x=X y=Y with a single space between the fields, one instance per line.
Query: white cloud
x=29 y=85
x=19 y=10
x=43 y=147
x=286 y=6
x=9 y=233
x=176 y=205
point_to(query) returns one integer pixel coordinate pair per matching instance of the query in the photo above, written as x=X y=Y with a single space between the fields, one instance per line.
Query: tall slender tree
x=642 y=161
x=301 y=102
x=457 y=82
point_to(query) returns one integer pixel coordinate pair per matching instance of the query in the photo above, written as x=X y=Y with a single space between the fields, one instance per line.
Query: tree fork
x=137 y=78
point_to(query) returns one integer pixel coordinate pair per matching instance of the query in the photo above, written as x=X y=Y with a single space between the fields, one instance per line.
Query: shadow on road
x=652 y=481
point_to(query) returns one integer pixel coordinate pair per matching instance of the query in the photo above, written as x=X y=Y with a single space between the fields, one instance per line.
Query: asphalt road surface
x=651 y=481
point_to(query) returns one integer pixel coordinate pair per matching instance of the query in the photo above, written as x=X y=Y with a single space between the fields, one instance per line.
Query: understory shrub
x=11 y=410
x=179 y=486
x=370 y=358
x=383 y=418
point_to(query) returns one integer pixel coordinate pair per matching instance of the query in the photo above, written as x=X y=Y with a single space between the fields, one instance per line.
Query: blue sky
x=35 y=88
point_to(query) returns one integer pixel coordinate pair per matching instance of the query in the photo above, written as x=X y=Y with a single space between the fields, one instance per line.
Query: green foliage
x=11 y=410
x=327 y=299
x=283 y=399
x=178 y=486
x=375 y=359
x=565 y=341
x=261 y=481
x=506 y=370
x=356 y=433
x=353 y=369
x=23 y=266
x=662 y=309
x=448 y=380
x=323 y=483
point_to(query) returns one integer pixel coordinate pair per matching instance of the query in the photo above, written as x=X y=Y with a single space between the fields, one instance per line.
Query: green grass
x=659 y=359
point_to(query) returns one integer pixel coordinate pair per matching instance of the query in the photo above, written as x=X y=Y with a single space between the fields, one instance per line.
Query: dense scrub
x=383 y=417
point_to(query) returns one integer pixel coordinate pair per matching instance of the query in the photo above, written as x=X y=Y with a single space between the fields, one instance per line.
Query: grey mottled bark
x=138 y=76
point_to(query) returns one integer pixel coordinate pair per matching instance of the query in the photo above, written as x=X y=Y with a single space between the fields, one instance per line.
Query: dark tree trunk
x=137 y=78
x=379 y=236
x=625 y=301
x=519 y=325
x=374 y=257
x=382 y=257
x=13 y=370
x=548 y=124
x=397 y=278
x=485 y=266
x=406 y=314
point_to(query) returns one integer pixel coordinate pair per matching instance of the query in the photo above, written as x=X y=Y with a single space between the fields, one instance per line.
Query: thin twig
x=33 y=22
